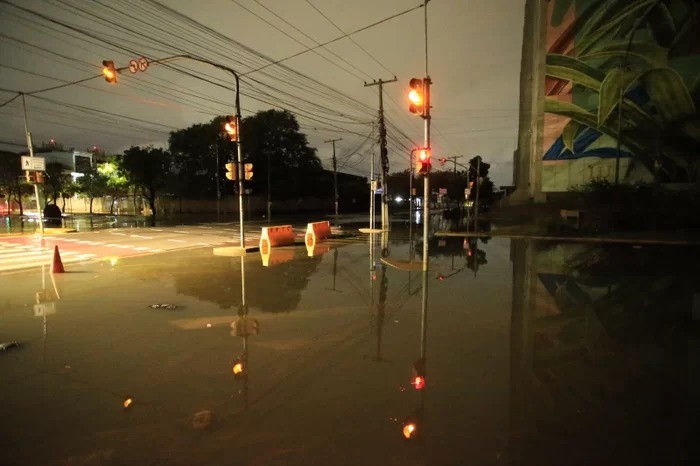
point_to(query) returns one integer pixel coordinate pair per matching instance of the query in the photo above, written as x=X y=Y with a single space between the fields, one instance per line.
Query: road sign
x=44 y=309
x=133 y=66
x=443 y=190
x=379 y=191
x=37 y=164
x=373 y=185
x=143 y=64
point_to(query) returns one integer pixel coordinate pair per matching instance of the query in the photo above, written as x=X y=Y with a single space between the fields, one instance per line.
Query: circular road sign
x=133 y=66
x=143 y=64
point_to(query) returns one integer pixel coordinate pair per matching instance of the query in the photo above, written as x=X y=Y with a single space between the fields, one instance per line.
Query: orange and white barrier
x=317 y=231
x=276 y=236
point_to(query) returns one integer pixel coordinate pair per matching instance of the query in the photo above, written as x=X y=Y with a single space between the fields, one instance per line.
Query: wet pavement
x=532 y=354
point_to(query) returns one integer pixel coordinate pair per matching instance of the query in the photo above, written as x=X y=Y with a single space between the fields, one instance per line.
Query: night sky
x=474 y=61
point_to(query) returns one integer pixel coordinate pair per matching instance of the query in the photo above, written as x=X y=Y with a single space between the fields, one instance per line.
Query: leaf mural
x=653 y=54
x=661 y=24
x=572 y=69
x=569 y=133
x=668 y=93
x=590 y=38
x=616 y=83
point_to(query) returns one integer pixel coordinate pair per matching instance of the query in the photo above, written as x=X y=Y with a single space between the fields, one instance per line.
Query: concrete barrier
x=281 y=235
x=317 y=231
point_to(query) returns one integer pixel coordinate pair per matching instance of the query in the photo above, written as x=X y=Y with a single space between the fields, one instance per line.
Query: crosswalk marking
x=17 y=257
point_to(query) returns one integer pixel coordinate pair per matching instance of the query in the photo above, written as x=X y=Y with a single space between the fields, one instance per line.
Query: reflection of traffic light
x=109 y=71
x=239 y=367
x=423 y=162
x=416 y=96
x=231 y=128
x=418 y=375
x=411 y=426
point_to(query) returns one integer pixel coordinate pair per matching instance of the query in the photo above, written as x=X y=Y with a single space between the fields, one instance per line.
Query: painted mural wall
x=628 y=68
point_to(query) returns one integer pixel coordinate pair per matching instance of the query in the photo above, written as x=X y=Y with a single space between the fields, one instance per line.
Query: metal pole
x=31 y=154
x=335 y=177
x=478 y=184
x=371 y=193
x=426 y=199
x=218 y=187
x=269 y=189
x=239 y=157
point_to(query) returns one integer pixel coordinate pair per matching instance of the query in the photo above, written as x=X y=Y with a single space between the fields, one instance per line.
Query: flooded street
x=533 y=353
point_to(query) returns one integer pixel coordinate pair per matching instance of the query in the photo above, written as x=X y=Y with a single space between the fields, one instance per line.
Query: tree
x=55 y=181
x=148 y=169
x=117 y=184
x=193 y=152
x=273 y=136
x=91 y=185
x=479 y=175
x=11 y=177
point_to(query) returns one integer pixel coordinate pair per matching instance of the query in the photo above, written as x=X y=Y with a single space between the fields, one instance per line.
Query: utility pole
x=269 y=189
x=335 y=176
x=31 y=154
x=478 y=183
x=384 y=152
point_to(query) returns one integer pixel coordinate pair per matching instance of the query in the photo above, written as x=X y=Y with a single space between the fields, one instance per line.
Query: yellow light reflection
x=128 y=402
x=409 y=429
x=238 y=368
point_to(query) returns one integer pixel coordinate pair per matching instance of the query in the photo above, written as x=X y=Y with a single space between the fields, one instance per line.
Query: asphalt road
x=28 y=251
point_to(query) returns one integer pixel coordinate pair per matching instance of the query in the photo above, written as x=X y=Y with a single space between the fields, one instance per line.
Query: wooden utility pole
x=384 y=152
x=335 y=176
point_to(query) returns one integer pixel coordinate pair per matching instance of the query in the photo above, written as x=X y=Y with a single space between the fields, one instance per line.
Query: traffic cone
x=57 y=266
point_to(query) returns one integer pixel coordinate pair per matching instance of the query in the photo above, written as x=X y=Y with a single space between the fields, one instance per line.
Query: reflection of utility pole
x=335 y=177
x=218 y=187
x=384 y=152
x=478 y=184
x=31 y=154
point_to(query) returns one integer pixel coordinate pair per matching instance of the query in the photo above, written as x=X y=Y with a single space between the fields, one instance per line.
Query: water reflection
x=602 y=351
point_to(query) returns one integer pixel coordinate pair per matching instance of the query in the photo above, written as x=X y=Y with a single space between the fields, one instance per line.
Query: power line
x=388 y=18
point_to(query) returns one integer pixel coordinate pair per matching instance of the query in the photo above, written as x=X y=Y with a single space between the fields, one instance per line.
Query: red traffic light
x=418 y=382
x=418 y=377
x=109 y=71
x=416 y=96
x=423 y=162
x=231 y=128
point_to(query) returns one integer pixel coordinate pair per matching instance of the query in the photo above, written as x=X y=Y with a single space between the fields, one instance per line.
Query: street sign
x=44 y=309
x=373 y=185
x=379 y=191
x=143 y=64
x=133 y=66
x=443 y=190
x=37 y=164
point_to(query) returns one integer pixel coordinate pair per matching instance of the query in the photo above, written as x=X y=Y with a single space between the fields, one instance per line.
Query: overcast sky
x=474 y=62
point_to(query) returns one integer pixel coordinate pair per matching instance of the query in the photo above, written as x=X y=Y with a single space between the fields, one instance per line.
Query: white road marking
x=141 y=236
x=120 y=234
x=177 y=240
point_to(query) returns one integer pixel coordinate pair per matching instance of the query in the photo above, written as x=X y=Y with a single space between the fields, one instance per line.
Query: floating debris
x=165 y=306
x=8 y=345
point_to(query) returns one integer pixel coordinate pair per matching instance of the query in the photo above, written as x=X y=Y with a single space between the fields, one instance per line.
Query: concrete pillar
x=527 y=163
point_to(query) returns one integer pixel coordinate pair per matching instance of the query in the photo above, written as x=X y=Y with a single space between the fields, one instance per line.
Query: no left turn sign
x=143 y=64
x=133 y=66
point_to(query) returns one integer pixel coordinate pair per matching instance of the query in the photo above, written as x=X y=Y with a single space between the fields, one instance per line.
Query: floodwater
x=533 y=353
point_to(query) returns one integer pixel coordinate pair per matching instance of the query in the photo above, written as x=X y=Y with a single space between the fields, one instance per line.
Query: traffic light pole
x=31 y=154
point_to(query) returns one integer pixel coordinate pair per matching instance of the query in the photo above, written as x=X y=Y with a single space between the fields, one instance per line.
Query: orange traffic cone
x=57 y=266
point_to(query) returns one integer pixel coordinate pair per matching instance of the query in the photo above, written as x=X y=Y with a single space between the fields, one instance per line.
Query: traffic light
x=34 y=177
x=423 y=162
x=109 y=71
x=231 y=128
x=231 y=171
x=418 y=375
x=248 y=171
x=416 y=96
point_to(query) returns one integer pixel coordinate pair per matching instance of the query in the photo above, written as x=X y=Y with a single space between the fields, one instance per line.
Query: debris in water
x=165 y=306
x=8 y=345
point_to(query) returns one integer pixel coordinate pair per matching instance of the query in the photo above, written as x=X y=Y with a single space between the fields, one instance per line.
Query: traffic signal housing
x=416 y=96
x=231 y=128
x=423 y=162
x=231 y=171
x=248 y=171
x=109 y=71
